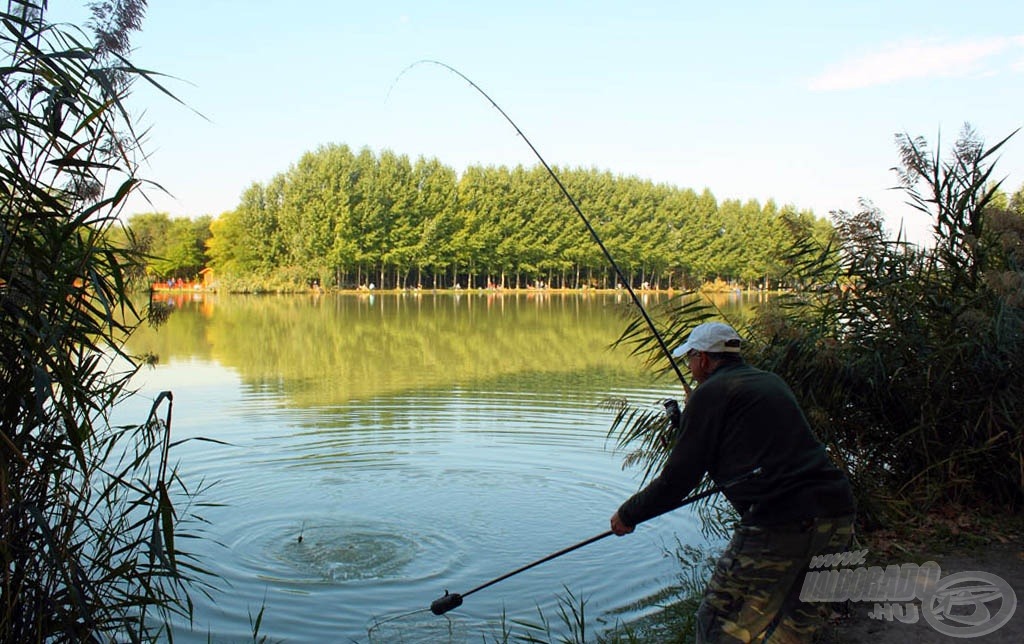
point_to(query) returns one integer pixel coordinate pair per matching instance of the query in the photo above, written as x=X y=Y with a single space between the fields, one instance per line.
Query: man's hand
x=618 y=527
x=672 y=412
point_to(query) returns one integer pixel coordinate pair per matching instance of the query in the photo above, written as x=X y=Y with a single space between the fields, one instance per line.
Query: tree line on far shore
x=345 y=219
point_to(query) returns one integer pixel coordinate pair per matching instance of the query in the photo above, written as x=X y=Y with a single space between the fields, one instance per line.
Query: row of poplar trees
x=345 y=219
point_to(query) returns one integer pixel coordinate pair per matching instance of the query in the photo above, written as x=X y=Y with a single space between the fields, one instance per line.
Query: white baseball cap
x=712 y=337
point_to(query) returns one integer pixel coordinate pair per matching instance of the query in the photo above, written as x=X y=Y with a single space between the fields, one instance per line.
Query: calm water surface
x=416 y=443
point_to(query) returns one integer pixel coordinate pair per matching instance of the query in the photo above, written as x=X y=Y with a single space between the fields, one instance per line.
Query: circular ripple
x=331 y=555
x=328 y=550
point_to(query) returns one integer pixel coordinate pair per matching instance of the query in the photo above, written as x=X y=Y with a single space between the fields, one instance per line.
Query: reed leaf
x=79 y=497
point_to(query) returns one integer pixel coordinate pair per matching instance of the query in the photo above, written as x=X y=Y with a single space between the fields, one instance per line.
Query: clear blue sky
x=795 y=101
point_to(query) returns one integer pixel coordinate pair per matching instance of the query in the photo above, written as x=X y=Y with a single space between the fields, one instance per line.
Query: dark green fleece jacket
x=739 y=419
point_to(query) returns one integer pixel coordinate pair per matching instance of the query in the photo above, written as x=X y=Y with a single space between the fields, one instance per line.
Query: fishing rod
x=586 y=222
x=450 y=601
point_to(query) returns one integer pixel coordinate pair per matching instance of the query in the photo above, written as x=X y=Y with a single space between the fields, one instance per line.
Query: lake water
x=416 y=443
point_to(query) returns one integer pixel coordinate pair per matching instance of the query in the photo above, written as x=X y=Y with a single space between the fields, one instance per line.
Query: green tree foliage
x=439 y=223
x=87 y=527
x=174 y=248
x=906 y=359
x=247 y=241
x=1016 y=204
x=354 y=218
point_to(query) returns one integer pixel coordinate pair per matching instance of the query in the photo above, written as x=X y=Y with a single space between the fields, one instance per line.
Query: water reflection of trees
x=333 y=348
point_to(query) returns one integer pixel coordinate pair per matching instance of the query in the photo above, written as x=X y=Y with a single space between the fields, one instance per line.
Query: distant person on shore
x=736 y=420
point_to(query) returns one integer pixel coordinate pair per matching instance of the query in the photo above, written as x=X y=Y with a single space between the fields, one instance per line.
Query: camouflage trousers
x=755 y=588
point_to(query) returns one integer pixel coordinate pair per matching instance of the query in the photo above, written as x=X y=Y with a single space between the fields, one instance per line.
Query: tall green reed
x=92 y=515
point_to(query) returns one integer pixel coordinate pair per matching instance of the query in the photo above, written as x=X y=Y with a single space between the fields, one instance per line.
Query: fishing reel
x=672 y=411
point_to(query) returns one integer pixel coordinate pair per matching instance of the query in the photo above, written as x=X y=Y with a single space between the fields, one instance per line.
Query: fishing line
x=377 y=623
x=586 y=222
x=380 y=628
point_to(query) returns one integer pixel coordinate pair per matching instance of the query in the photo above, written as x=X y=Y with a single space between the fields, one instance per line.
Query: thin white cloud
x=918 y=59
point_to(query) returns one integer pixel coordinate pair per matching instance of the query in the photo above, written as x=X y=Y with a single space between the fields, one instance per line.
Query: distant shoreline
x=464 y=291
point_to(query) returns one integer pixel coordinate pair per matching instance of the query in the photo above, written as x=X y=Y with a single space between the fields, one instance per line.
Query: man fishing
x=737 y=419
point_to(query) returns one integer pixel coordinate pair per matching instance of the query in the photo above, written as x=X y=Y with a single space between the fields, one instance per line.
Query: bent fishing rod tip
x=449 y=601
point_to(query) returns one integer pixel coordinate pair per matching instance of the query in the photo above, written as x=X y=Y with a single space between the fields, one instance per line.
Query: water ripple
x=399 y=498
x=326 y=550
